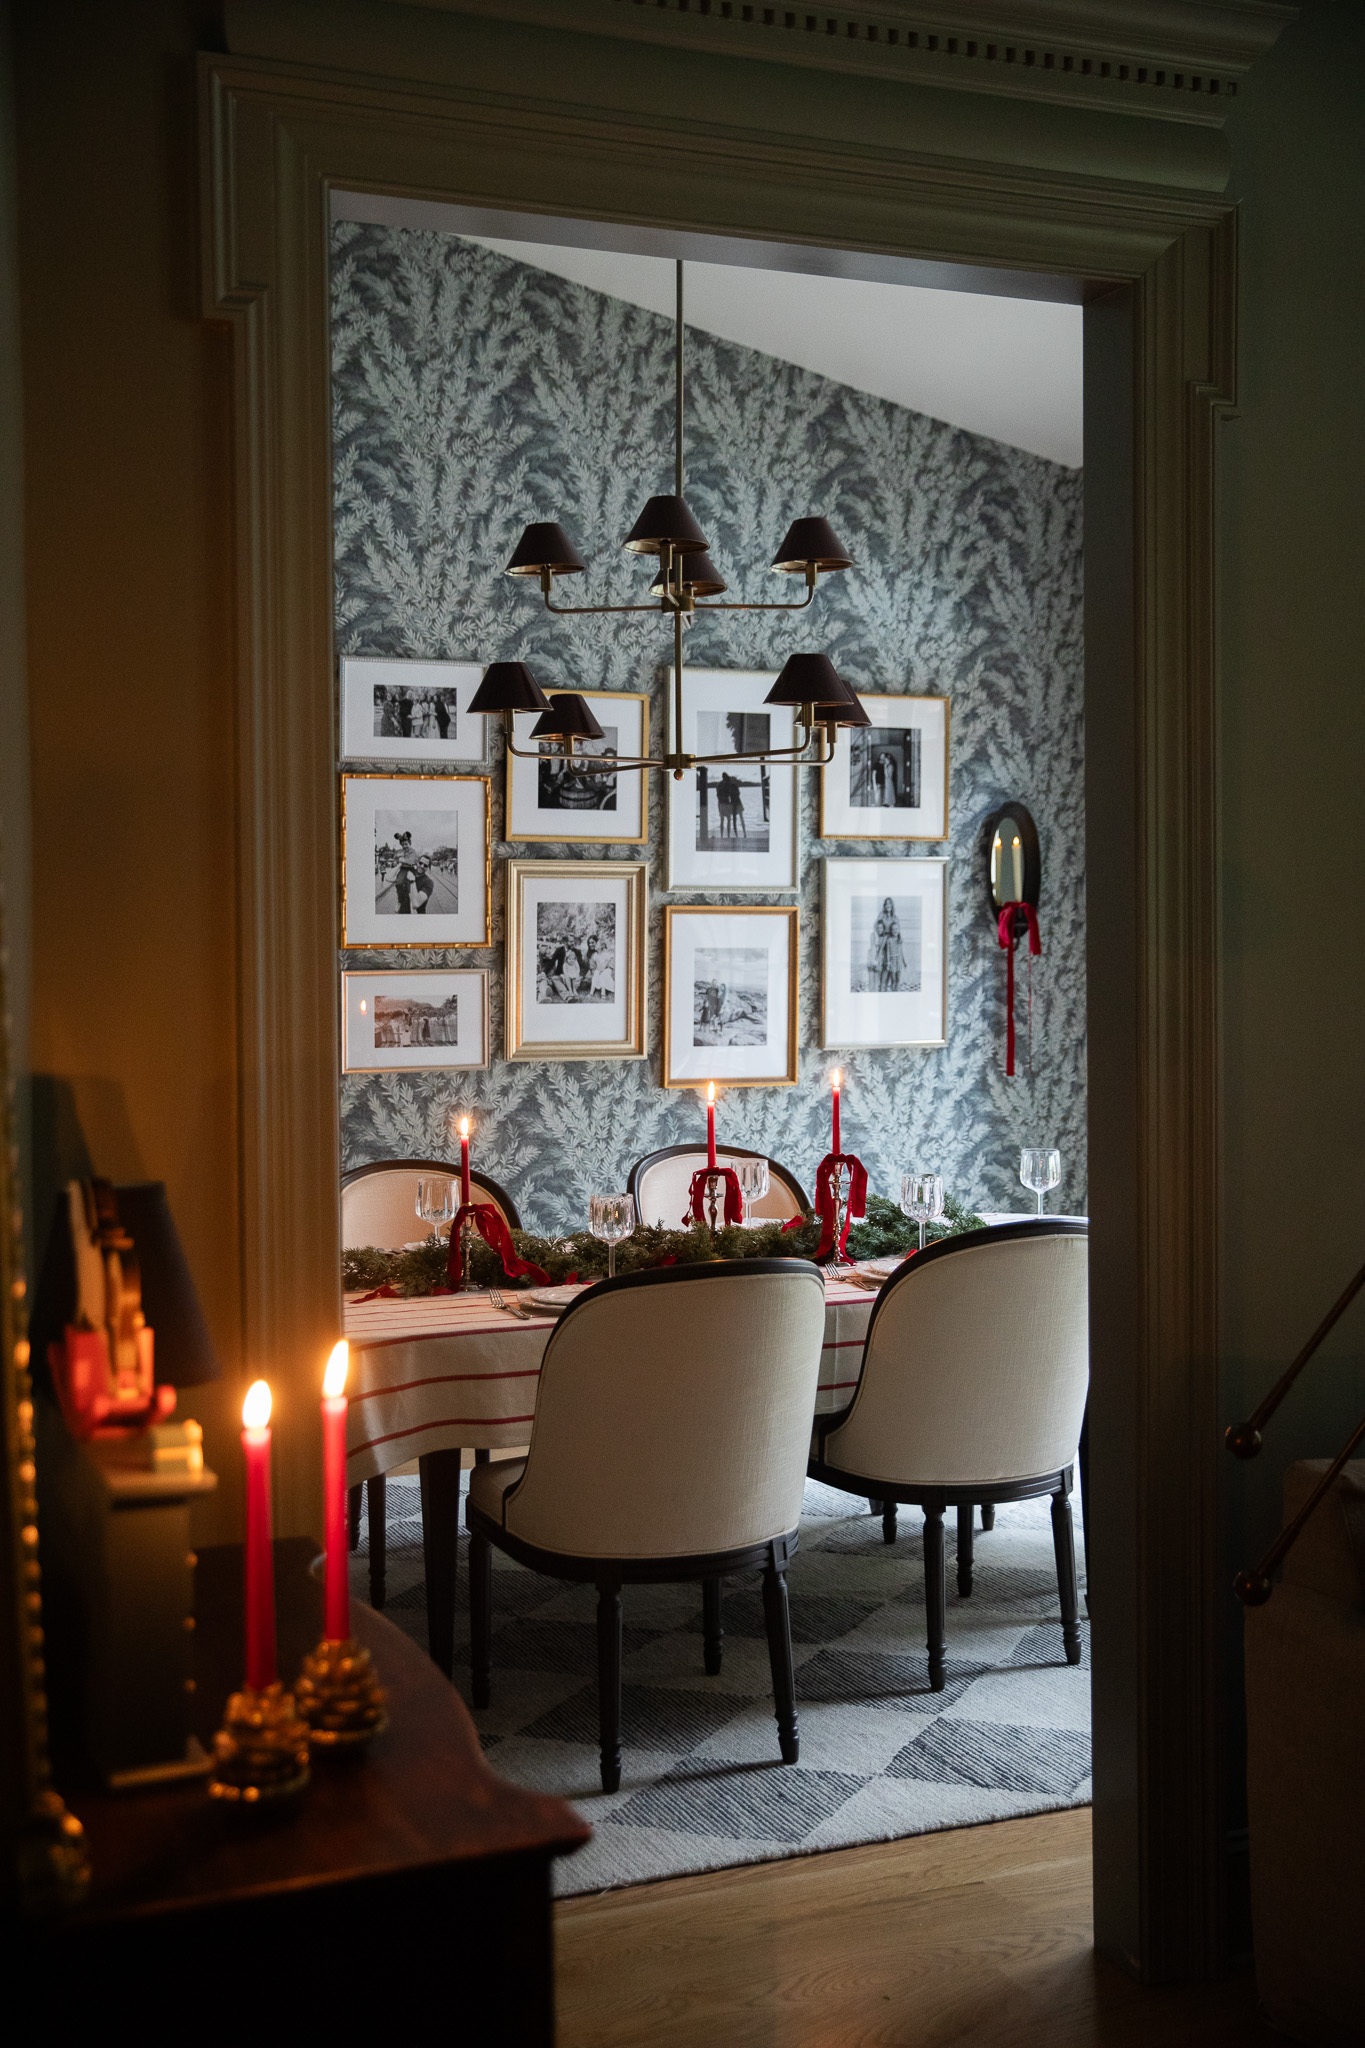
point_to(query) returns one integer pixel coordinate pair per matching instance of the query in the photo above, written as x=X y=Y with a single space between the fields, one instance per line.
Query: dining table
x=435 y=1376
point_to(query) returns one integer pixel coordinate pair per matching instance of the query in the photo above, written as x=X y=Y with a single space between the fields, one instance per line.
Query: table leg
x=376 y=1505
x=439 y=1475
x=353 y=1495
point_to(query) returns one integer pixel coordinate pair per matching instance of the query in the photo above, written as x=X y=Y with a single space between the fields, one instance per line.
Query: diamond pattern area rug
x=702 y=1787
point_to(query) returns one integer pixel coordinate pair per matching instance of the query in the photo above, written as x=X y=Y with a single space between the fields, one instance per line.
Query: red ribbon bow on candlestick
x=1007 y=934
x=492 y=1228
x=827 y=1207
x=696 y=1195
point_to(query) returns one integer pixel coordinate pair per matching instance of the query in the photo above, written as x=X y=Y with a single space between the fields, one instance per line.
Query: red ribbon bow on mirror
x=1007 y=933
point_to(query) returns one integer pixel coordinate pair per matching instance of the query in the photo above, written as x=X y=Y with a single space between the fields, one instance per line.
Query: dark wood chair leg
x=988 y=1514
x=480 y=1618
x=439 y=1472
x=609 y=1681
x=935 y=1597
x=353 y=1498
x=376 y=1509
x=1083 y=1460
x=777 y=1616
x=874 y=1507
x=965 y=1534
x=889 y=1521
x=713 y=1635
x=1064 y=1544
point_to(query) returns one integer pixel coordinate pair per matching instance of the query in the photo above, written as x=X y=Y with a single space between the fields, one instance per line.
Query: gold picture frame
x=555 y=932
x=363 y=989
x=836 y=803
x=681 y=945
x=361 y=927
x=522 y=809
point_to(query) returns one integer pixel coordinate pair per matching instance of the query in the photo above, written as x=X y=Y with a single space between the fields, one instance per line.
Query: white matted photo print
x=547 y=799
x=889 y=779
x=575 y=959
x=415 y=856
x=732 y=823
x=409 y=710
x=414 y=1021
x=729 y=996
x=884 y=971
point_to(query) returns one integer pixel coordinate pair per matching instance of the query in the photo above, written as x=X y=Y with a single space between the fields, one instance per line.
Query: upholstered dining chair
x=661 y=1181
x=379 y=1207
x=672 y=1424
x=972 y=1390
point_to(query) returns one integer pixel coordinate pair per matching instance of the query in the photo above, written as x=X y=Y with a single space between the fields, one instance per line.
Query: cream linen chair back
x=976 y=1363
x=660 y=1183
x=379 y=1203
x=674 y=1413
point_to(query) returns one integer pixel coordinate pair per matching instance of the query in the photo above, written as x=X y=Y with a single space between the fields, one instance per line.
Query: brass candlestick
x=261 y=1750
x=466 y=1251
x=339 y=1695
x=843 y=1188
x=714 y=1180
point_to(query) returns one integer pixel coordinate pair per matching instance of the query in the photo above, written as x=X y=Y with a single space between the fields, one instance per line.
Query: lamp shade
x=850 y=713
x=811 y=544
x=809 y=679
x=185 y=1356
x=568 y=717
x=666 y=520
x=699 y=575
x=545 y=546
x=508 y=686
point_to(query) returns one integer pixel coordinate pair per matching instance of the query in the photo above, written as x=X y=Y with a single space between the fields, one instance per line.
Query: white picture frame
x=889 y=779
x=730 y=995
x=413 y=1020
x=576 y=959
x=415 y=861
x=374 y=689
x=760 y=852
x=866 y=953
x=548 y=800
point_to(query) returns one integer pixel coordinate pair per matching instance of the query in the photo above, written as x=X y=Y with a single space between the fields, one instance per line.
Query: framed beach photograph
x=409 y=710
x=889 y=779
x=729 y=996
x=732 y=824
x=576 y=959
x=414 y=1021
x=884 y=953
x=415 y=859
x=547 y=799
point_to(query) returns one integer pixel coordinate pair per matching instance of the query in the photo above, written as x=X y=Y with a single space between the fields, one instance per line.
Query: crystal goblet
x=611 y=1218
x=1040 y=1169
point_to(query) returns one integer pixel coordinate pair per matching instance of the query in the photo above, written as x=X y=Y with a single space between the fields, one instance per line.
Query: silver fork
x=513 y=1308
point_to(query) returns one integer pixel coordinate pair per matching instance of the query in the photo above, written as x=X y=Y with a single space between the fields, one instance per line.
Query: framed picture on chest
x=731 y=822
x=889 y=779
x=884 y=965
x=547 y=798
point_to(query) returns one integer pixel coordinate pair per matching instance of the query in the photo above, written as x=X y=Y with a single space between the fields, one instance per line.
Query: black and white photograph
x=884 y=956
x=415 y=860
x=730 y=995
x=886 y=949
x=575 y=952
x=575 y=959
x=416 y=1020
x=547 y=798
x=889 y=779
x=732 y=820
x=395 y=710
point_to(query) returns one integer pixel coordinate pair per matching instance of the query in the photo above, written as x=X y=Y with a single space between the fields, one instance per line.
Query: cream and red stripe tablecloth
x=449 y=1370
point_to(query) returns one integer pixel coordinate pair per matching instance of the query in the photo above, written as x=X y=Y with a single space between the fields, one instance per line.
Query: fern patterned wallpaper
x=473 y=394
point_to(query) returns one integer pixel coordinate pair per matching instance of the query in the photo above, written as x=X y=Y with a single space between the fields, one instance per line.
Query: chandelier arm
x=738 y=605
x=570 y=611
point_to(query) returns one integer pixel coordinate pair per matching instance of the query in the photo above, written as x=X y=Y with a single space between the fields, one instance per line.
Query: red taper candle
x=336 y=1625
x=464 y=1161
x=710 y=1123
x=836 y=1147
x=260 y=1562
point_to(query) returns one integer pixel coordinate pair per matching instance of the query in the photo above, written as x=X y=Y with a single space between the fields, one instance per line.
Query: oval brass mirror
x=1013 y=862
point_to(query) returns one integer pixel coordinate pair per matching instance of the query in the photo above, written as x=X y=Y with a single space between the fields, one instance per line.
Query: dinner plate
x=553 y=1300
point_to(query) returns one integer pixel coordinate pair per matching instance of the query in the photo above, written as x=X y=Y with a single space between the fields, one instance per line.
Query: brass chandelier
x=687 y=583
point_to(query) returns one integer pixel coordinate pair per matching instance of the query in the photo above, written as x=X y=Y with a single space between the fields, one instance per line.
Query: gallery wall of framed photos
x=639 y=927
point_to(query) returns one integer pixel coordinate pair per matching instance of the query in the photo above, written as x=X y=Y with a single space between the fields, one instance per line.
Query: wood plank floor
x=980 y=1935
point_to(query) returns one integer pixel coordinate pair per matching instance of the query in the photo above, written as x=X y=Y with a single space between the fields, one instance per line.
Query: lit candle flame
x=256 y=1407
x=836 y=1080
x=338 y=1365
x=464 y=1126
x=710 y=1092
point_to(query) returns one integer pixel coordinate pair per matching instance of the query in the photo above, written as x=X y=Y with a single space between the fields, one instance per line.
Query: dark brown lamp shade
x=699 y=575
x=850 y=713
x=568 y=717
x=184 y=1351
x=545 y=546
x=664 y=520
x=810 y=679
x=811 y=544
x=508 y=686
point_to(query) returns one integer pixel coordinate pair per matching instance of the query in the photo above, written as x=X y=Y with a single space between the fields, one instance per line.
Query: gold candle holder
x=339 y=1696
x=261 y=1750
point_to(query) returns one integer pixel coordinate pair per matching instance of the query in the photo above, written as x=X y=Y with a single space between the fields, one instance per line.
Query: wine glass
x=436 y=1202
x=611 y=1217
x=1040 y=1170
x=922 y=1199
x=753 y=1183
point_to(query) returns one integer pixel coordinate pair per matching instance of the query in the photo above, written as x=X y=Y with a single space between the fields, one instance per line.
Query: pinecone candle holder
x=340 y=1697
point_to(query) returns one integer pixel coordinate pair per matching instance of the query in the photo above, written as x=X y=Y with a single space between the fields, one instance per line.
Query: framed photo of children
x=409 y=710
x=576 y=959
x=889 y=779
x=414 y=1021
x=731 y=822
x=549 y=799
x=884 y=967
x=729 y=996
x=415 y=859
